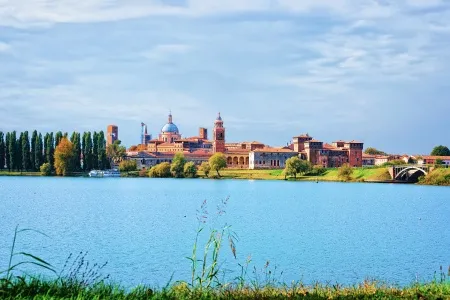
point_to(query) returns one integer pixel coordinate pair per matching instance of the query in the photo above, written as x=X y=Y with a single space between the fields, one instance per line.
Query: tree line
x=22 y=152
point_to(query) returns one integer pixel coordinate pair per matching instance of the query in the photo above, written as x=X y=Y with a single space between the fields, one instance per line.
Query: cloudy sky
x=371 y=70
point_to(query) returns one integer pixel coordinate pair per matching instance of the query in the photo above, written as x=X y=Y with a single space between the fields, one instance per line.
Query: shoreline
x=362 y=176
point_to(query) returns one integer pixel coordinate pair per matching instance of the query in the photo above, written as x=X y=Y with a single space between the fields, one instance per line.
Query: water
x=144 y=228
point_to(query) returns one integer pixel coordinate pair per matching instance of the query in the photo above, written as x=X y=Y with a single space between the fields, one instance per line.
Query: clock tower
x=219 y=135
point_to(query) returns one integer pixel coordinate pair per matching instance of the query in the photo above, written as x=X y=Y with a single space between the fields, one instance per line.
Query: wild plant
x=205 y=266
x=27 y=258
x=81 y=272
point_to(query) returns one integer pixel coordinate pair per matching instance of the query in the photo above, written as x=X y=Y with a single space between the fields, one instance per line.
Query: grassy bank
x=16 y=173
x=21 y=288
x=438 y=176
x=359 y=174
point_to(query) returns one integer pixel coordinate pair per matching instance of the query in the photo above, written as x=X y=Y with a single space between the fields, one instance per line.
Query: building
x=242 y=155
x=431 y=160
x=112 y=134
x=270 y=158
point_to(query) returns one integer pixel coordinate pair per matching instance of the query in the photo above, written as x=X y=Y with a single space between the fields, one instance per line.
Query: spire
x=170 y=116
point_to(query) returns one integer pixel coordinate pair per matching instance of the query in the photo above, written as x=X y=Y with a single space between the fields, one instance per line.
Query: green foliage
x=295 y=166
x=46 y=169
x=439 y=176
x=115 y=152
x=395 y=162
x=177 y=166
x=160 y=171
x=101 y=151
x=345 y=172
x=49 y=149
x=218 y=162
x=190 y=170
x=440 y=151
x=75 y=139
x=58 y=138
x=317 y=171
x=205 y=168
x=128 y=166
x=87 y=152
x=2 y=151
x=374 y=151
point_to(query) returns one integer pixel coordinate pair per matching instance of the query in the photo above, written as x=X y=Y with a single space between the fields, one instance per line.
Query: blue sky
x=371 y=70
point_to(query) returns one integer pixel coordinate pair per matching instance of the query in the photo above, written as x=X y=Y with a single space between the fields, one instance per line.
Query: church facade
x=242 y=155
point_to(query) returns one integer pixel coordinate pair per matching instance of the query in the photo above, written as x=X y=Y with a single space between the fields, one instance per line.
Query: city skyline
x=374 y=71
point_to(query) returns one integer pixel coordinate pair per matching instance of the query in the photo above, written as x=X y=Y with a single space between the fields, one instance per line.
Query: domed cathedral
x=219 y=135
x=169 y=133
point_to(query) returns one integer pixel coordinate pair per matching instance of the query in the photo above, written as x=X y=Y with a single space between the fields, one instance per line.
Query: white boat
x=105 y=173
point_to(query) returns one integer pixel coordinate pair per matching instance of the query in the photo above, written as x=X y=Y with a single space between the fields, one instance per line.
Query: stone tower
x=219 y=135
x=112 y=134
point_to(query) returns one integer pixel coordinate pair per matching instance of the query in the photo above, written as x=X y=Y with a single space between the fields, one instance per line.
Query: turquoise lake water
x=145 y=228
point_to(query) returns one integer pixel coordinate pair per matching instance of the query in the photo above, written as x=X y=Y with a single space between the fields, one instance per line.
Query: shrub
x=345 y=172
x=177 y=166
x=160 y=171
x=205 y=168
x=128 y=166
x=190 y=170
x=46 y=169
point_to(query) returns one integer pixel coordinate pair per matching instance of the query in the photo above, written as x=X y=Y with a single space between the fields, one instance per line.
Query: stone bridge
x=409 y=173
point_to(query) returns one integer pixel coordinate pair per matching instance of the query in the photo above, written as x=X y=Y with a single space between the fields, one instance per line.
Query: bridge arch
x=411 y=176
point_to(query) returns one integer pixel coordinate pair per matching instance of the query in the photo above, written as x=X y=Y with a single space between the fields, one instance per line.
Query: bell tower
x=219 y=135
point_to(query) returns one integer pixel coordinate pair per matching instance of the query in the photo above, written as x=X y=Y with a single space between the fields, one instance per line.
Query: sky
x=376 y=71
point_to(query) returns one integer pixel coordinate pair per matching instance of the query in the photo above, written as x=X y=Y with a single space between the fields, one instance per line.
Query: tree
x=293 y=166
x=177 y=166
x=87 y=152
x=64 y=154
x=46 y=169
x=58 y=138
x=439 y=162
x=12 y=145
x=19 y=152
x=101 y=154
x=374 y=151
x=190 y=170
x=49 y=150
x=39 y=148
x=34 y=137
x=161 y=171
x=95 y=150
x=345 y=172
x=75 y=139
x=115 y=152
x=2 y=151
x=128 y=166
x=440 y=151
x=7 y=156
x=205 y=168
x=26 y=152
x=218 y=162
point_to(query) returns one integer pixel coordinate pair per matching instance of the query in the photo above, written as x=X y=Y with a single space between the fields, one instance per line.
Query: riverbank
x=440 y=177
x=68 y=289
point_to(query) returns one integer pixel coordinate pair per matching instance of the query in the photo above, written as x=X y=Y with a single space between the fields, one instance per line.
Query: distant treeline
x=22 y=153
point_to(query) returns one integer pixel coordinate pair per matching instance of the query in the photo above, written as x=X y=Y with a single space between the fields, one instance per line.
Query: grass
x=439 y=176
x=18 y=173
x=35 y=288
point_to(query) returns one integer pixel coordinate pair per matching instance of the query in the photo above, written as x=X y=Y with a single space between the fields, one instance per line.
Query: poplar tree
x=2 y=151
x=18 y=152
x=49 y=149
x=33 y=153
x=87 y=151
x=25 y=145
x=12 y=150
x=7 y=156
x=39 y=148
x=102 y=164
x=76 y=141
x=58 y=138
x=95 y=150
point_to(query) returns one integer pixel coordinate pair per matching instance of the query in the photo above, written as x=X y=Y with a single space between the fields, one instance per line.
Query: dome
x=219 y=118
x=170 y=127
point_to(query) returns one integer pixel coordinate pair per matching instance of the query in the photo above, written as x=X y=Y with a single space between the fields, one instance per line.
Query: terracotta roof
x=329 y=147
x=436 y=157
x=368 y=155
x=314 y=141
x=238 y=151
x=274 y=150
